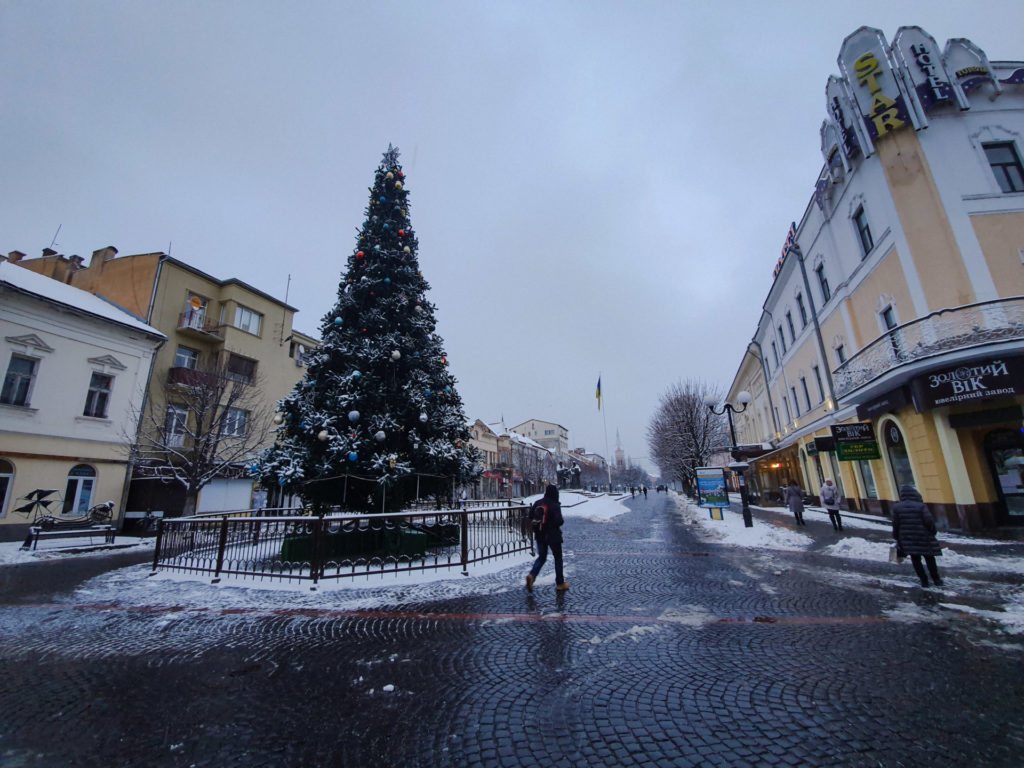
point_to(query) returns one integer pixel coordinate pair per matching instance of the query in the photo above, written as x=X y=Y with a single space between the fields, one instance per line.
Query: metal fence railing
x=266 y=544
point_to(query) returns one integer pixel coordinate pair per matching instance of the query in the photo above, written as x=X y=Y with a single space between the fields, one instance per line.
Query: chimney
x=102 y=256
x=76 y=263
x=15 y=256
x=48 y=252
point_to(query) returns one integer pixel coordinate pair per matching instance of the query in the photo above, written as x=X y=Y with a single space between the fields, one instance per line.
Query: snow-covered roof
x=526 y=441
x=27 y=281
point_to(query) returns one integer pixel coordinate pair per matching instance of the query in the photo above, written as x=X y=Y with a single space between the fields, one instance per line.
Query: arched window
x=78 y=494
x=899 y=457
x=6 y=481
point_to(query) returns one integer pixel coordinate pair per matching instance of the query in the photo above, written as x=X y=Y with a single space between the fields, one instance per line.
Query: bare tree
x=683 y=434
x=208 y=422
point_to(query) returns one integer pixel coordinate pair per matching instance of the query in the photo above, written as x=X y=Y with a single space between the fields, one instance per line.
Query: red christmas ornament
x=401 y=175
x=364 y=330
x=401 y=232
x=444 y=360
x=359 y=254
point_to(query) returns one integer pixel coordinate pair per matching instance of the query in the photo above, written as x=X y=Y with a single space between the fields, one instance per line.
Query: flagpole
x=608 y=462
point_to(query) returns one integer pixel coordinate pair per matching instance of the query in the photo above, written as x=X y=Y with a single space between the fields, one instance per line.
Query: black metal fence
x=292 y=544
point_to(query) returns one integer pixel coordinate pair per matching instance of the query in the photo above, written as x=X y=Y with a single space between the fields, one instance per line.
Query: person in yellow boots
x=546 y=522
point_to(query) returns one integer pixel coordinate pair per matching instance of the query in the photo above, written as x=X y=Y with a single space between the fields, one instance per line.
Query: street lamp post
x=739 y=467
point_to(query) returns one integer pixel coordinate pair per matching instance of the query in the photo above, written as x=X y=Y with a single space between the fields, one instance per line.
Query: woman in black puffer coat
x=913 y=527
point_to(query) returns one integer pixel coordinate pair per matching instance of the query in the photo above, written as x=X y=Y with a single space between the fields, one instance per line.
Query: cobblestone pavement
x=667 y=651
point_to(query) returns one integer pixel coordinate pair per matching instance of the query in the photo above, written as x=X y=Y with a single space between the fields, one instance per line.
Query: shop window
x=6 y=481
x=899 y=457
x=1005 y=450
x=867 y=479
x=78 y=493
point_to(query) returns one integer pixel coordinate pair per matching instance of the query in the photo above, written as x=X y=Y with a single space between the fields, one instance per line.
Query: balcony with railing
x=194 y=323
x=945 y=332
x=190 y=377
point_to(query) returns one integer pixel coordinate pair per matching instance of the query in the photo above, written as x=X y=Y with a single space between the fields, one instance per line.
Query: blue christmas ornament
x=376 y=247
x=426 y=392
x=353 y=456
x=387 y=279
x=280 y=481
x=447 y=389
x=383 y=199
x=337 y=321
x=356 y=374
x=255 y=468
x=386 y=226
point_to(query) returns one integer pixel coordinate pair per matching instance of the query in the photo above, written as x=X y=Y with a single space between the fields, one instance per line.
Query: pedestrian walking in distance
x=547 y=512
x=830 y=499
x=913 y=527
x=795 y=500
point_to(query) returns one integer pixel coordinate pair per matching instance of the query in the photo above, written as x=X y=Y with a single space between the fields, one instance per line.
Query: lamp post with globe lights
x=739 y=467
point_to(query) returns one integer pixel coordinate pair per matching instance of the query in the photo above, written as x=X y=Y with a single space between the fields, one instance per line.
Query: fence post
x=316 y=556
x=465 y=542
x=221 y=546
x=159 y=540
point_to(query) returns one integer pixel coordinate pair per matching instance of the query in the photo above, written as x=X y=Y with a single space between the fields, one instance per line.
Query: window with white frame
x=78 y=492
x=796 y=403
x=241 y=369
x=807 y=394
x=186 y=357
x=1005 y=164
x=21 y=372
x=792 y=329
x=235 y=422
x=175 y=423
x=860 y=221
x=6 y=481
x=97 y=400
x=782 y=339
x=247 y=320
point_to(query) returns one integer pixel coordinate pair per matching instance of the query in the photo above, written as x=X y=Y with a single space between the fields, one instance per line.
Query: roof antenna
x=54 y=241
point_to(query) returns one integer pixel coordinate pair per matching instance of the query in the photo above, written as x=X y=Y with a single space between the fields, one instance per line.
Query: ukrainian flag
x=599 y=393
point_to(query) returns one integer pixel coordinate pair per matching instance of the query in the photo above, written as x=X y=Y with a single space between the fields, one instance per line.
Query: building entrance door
x=1004 y=450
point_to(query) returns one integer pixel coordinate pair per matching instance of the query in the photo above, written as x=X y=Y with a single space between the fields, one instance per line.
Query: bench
x=37 y=532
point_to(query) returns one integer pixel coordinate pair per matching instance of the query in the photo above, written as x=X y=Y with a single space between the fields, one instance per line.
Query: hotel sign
x=864 y=62
x=968 y=383
x=855 y=441
x=922 y=62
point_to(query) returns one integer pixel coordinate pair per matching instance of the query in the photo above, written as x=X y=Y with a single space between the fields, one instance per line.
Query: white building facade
x=76 y=369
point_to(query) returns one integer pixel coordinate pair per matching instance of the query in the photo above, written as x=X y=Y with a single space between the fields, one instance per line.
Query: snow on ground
x=11 y=552
x=133 y=586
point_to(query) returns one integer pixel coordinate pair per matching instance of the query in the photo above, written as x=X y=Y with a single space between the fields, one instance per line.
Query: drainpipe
x=767 y=385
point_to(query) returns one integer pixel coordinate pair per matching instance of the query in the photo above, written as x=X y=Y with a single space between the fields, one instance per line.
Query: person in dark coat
x=913 y=527
x=795 y=500
x=549 y=537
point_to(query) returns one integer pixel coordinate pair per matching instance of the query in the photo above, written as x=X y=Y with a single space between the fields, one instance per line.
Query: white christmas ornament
x=396 y=355
x=379 y=437
x=278 y=418
x=353 y=415
x=423 y=416
x=322 y=436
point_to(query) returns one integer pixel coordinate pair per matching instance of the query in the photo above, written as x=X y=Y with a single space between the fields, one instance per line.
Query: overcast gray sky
x=597 y=187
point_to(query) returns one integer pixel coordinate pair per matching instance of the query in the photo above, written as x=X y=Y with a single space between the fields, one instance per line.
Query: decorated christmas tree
x=376 y=422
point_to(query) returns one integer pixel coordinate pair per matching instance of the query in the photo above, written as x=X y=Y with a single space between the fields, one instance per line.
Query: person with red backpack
x=546 y=522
